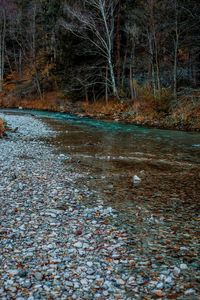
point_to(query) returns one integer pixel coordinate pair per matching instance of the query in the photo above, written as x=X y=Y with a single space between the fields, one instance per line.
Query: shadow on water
x=162 y=212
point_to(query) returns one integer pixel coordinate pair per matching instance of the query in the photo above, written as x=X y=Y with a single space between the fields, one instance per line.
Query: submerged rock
x=136 y=179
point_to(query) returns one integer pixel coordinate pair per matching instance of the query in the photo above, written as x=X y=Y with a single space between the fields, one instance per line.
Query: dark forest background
x=101 y=49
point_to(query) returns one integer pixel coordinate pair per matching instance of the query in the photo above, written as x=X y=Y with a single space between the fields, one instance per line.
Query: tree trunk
x=131 y=82
x=106 y=86
x=124 y=68
x=86 y=95
x=175 y=70
x=113 y=81
x=176 y=42
x=2 y=50
x=20 y=63
x=118 y=43
x=152 y=64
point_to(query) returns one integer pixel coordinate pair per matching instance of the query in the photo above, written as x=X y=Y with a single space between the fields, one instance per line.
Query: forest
x=132 y=60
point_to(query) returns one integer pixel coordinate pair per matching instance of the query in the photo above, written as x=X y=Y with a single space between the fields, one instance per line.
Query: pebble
x=160 y=285
x=89 y=264
x=158 y=293
x=90 y=271
x=176 y=271
x=69 y=283
x=183 y=267
x=78 y=245
x=136 y=179
x=190 y=292
x=38 y=276
x=169 y=280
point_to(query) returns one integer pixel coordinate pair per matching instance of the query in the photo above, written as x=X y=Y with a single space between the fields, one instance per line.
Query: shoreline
x=154 y=124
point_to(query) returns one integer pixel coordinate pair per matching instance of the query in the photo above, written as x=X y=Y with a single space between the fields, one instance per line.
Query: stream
x=161 y=212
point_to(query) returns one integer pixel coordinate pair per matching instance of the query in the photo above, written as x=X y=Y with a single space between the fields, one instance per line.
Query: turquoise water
x=126 y=139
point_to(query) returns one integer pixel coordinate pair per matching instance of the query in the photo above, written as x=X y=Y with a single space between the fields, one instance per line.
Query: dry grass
x=51 y=102
x=187 y=112
x=101 y=107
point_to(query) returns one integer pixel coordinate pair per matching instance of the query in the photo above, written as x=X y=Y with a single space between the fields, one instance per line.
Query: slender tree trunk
x=157 y=66
x=175 y=70
x=123 y=68
x=118 y=43
x=86 y=95
x=8 y=60
x=154 y=51
x=109 y=38
x=176 y=42
x=131 y=81
x=38 y=84
x=20 y=63
x=112 y=75
x=2 y=49
x=152 y=64
x=94 y=96
x=106 y=86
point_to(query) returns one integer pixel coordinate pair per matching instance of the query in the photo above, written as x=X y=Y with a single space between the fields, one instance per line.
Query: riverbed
x=159 y=212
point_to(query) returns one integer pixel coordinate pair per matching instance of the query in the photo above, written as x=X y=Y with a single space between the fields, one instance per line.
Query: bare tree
x=2 y=43
x=95 y=22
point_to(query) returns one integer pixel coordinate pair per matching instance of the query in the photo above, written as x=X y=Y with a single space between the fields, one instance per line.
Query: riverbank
x=56 y=246
x=52 y=245
x=185 y=115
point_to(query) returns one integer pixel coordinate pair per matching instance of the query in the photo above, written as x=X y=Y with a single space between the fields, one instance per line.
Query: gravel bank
x=52 y=246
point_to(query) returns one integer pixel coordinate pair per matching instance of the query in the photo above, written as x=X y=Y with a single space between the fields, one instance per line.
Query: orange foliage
x=2 y=128
x=104 y=108
x=51 y=101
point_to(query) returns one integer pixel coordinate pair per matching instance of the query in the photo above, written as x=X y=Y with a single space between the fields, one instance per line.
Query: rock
x=38 y=276
x=158 y=293
x=169 y=280
x=90 y=271
x=136 y=179
x=84 y=282
x=22 y=273
x=27 y=284
x=78 y=245
x=184 y=248
x=13 y=272
x=183 y=267
x=89 y=263
x=160 y=285
x=176 y=271
x=131 y=281
x=120 y=281
x=189 y=292
x=69 y=284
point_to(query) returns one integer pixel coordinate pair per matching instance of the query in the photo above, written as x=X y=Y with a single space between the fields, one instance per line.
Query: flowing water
x=161 y=212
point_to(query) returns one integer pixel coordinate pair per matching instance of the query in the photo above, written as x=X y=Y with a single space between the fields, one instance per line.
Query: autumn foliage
x=2 y=128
